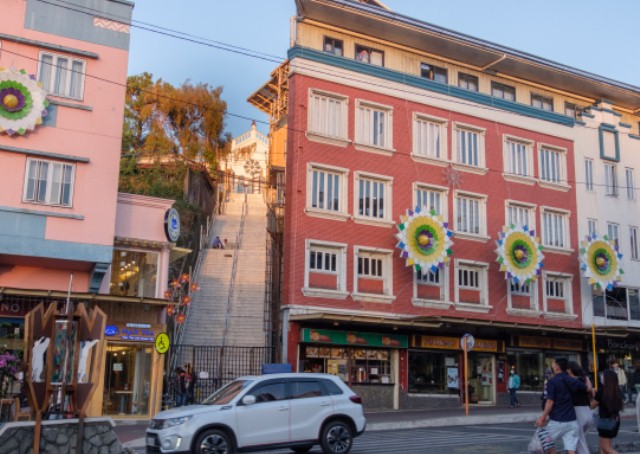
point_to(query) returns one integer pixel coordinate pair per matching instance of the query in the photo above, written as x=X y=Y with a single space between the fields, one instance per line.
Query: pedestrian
x=217 y=244
x=513 y=384
x=190 y=382
x=608 y=399
x=581 y=402
x=635 y=380
x=622 y=376
x=559 y=407
x=181 y=387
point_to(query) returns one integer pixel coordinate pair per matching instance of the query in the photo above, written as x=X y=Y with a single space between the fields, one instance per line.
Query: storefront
x=626 y=350
x=367 y=361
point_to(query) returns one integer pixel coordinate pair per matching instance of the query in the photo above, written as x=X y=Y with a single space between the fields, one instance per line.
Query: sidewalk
x=131 y=432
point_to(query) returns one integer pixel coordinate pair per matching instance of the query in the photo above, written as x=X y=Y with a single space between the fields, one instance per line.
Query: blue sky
x=592 y=35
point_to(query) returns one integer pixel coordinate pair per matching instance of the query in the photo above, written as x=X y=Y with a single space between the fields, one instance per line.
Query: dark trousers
x=512 y=395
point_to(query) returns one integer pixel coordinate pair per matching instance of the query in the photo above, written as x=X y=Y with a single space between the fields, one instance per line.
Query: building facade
x=417 y=119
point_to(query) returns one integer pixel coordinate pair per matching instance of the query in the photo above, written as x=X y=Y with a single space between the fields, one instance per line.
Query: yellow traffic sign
x=162 y=343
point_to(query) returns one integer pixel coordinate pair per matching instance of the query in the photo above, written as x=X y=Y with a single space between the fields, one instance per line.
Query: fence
x=214 y=367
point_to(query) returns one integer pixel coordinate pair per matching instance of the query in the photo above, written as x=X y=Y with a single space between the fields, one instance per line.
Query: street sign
x=468 y=338
x=162 y=343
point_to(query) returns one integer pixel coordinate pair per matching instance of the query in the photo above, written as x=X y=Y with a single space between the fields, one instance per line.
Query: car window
x=225 y=395
x=331 y=387
x=305 y=389
x=268 y=392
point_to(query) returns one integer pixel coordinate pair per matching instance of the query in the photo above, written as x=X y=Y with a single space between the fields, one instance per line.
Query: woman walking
x=581 y=402
x=609 y=400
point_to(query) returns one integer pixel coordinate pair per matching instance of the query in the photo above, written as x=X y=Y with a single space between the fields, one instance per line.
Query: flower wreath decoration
x=600 y=261
x=23 y=102
x=424 y=239
x=519 y=254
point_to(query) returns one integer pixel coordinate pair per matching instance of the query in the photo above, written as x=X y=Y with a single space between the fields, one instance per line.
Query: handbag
x=541 y=442
x=606 y=423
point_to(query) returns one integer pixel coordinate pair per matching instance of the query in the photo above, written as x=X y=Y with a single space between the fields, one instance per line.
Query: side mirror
x=249 y=400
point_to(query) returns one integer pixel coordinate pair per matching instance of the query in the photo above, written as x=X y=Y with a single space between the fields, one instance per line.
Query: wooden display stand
x=63 y=350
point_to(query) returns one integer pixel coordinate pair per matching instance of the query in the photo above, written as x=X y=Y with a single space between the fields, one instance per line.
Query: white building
x=247 y=163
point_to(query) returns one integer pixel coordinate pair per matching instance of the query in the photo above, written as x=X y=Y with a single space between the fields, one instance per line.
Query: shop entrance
x=481 y=378
x=127 y=379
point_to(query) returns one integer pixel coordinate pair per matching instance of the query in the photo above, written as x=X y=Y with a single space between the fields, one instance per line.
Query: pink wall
x=141 y=217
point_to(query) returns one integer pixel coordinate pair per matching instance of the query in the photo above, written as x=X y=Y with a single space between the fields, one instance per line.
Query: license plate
x=151 y=441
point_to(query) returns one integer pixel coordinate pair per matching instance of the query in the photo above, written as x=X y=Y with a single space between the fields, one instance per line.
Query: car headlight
x=174 y=421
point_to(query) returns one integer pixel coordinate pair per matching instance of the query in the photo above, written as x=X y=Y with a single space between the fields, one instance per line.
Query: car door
x=310 y=405
x=267 y=420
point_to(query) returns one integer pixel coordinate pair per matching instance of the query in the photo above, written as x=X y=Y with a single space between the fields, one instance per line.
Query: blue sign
x=276 y=368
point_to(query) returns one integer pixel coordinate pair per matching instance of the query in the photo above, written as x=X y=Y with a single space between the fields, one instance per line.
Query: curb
x=452 y=421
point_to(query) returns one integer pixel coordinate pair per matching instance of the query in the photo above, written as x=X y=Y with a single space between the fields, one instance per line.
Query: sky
x=591 y=35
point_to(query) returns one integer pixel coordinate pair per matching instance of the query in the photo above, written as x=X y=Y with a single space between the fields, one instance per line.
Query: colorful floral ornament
x=180 y=319
x=519 y=254
x=600 y=261
x=424 y=239
x=23 y=102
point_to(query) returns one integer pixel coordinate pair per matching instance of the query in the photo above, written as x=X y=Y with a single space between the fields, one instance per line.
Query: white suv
x=255 y=413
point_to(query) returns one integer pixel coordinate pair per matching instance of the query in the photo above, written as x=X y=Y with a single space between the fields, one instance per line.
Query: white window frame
x=592 y=227
x=385 y=256
x=424 y=147
x=548 y=175
x=532 y=294
x=343 y=179
x=613 y=232
x=328 y=117
x=55 y=72
x=610 y=180
x=387 y=208
x=464 y=161
x=518 y=159
x=517 y=208
x=482 y=214
x=53 y=191
x=340 y=249
x=588 y=174
x=567 y=295
x=631 y=190
x=443 y=285
x=550 y=237
x=482 y=269
x=432 y=192
x=367 y=115
x=633 y=242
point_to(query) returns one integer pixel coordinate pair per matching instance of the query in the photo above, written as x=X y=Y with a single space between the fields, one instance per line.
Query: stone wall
x=61 y=436
x=375 y=396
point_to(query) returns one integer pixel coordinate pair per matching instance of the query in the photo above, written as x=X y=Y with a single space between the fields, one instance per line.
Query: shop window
x=352 y=365
x=127 y=379
x=134 y=273
x=434 y=372
x=530 y=366
x=12 y=333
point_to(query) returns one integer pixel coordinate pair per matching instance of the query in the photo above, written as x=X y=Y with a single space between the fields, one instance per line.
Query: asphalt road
x=494 y=439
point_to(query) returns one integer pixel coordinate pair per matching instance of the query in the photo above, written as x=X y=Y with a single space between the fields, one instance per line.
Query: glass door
x=481 y=378
x=127 y=379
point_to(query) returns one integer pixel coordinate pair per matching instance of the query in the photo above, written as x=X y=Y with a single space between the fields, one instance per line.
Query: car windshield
x=226 y=394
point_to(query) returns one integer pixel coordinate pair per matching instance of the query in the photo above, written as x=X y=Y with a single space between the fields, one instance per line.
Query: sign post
x=466 y=342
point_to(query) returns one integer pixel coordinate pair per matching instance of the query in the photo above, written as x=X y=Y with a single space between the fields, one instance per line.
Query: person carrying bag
x=609 y=401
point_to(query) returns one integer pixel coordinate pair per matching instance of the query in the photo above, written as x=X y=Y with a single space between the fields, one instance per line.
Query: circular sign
x=162 y=343
x=468 y=338
x=172 y=224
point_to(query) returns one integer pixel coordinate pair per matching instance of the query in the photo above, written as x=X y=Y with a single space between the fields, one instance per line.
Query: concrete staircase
x=229 y=310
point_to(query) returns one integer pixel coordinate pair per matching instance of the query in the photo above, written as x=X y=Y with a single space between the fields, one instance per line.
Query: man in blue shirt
x=559 y=406
x=513 y=384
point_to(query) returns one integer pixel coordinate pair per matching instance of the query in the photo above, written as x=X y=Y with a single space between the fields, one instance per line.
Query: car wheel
x=214 y=441
x=336 y=438
x=302 y=449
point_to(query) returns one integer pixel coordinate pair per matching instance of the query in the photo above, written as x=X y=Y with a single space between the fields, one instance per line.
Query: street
x=496 y=439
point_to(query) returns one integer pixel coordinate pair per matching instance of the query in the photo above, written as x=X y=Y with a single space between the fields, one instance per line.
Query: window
x=428 y=277
x=328 y=115
x=520 y=215
x=613 y=231
x=631 y=190
x=431 y=198
x=609 y=143
x=557 y=298
x=610 y=180
x=49 y=182
x=373 y=277
x=572 y=110
x=555 y=227
x=369 y=267
x=468 y=82
x=333 y=46
x=592 y=227
x=588 y=174
x=61 y=75
x=432 y=72
x=469 y=146
x=517 y=158
x=469 y=278
x=268 y=392
x=470 y=214
x=429 y=137
x=542 y=102
x=369 y=55
x=552 y=165
x=325 y=270
x=326 y=189
x=520 y=289
x=303 y=389
x=373 y=197
x=373 y=125
x=633 y=242
x=471 y=290
x=554 y=288
x=503 y=91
